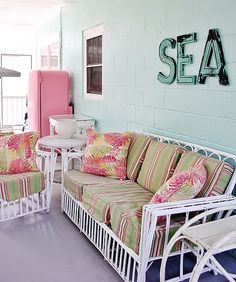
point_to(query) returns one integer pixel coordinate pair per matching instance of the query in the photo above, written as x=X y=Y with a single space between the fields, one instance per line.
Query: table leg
x=63 y=159
x=51 y=129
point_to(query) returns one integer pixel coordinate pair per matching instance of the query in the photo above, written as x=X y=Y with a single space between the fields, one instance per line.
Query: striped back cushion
x=219 y=173
x=137 y=149
x=158 y=165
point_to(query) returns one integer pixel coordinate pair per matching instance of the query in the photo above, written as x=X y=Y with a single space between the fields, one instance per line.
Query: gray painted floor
x=49 y=248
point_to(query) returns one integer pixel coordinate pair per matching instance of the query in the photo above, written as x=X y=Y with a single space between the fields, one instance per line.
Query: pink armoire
x=48 y=94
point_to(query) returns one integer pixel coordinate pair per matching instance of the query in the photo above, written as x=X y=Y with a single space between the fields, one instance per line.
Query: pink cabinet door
x=55 y=91
x=48 y=95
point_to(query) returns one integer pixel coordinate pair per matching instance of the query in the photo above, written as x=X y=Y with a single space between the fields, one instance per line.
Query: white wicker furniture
x=204 y=241
x=35 y=202
x=62 y=146
x=130 y=265
x=82 y=122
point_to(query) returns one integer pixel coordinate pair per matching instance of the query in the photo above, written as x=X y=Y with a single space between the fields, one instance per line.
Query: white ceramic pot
x=65 y=128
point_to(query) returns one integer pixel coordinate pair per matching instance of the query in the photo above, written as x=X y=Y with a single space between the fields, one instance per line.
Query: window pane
x=94 y=50
x=44 y=61
x=16 y=86
x=54 y=61
x=14 y=89
x=94 y=80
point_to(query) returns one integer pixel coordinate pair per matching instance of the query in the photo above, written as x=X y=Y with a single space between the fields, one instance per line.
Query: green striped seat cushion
x=126 y=224
x=6 y=133
x=158 y=165
x=137 y=149
x=75 y=181
x=98 y=199
x=16 y=186
x=218 y=173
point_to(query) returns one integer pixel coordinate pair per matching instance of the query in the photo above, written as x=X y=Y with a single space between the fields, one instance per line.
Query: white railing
x=13 y=110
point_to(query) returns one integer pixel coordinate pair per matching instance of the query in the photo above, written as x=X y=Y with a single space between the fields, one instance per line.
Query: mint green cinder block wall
x=133 y=98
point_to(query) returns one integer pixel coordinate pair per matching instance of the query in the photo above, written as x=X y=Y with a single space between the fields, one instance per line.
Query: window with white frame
x=93 y=62
x=50 y=57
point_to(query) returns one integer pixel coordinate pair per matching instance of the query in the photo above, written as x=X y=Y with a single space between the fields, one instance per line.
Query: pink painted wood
x=48 y=94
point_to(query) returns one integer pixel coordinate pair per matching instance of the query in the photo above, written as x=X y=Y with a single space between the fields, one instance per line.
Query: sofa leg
x=141 y=272
x=141 y=276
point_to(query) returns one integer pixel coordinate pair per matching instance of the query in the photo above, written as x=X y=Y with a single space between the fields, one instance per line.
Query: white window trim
x=87 y=34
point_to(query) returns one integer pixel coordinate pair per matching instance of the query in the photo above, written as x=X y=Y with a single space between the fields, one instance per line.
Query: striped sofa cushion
x=75 y=181
x=218 y=173
x=126 y=224
x=137 y=149
x=98 y=199
x=6 y=133
x=158 y=165
x=16 y=186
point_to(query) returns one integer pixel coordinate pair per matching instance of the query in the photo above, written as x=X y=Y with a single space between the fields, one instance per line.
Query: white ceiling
x=28 y=12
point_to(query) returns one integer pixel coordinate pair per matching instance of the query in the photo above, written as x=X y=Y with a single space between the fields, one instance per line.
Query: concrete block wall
x=133 y=98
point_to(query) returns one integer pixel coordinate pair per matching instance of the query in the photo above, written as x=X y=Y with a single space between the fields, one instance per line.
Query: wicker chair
x=205 y=240
x=30 y=192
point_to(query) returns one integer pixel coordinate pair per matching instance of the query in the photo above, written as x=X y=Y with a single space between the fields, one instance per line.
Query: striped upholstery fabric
x=158 y=165
x=126 y=224
x=98 y=199
x=137 y=149
x=75 y=181
x=6 y=133
x=16 y=186
x=218 y=173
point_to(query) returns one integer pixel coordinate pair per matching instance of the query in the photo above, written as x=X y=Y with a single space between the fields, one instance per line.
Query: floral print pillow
x=182 y=186
x=17 y=153
x=106 y=154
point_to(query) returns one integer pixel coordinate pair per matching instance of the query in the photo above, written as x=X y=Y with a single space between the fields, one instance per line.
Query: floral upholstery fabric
x=219 y=173
x=106 y=154
x=17 y=153
x=182 y=186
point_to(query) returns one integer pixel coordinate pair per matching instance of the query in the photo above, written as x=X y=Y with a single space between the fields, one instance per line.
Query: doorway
x=14 y=89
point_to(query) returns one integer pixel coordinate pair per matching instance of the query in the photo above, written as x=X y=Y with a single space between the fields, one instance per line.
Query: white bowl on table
x=66 y=127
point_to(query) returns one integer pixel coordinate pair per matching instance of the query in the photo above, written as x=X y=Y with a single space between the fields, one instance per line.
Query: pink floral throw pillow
x=106 y=154
x=182 y=186
x=17 y=153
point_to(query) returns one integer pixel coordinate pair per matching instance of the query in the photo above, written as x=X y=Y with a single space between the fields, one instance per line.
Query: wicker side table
x=63 y=146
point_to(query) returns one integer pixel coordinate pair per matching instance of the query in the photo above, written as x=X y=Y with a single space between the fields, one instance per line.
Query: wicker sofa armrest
x=186 y=206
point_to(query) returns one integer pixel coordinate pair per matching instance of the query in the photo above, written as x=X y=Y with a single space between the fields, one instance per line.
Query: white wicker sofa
x=116 y=215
